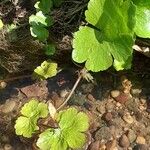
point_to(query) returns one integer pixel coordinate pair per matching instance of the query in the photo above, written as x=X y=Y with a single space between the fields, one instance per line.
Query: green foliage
x=50 y=49
x=26 y=124
x=111 y=38
x=142 y=28
x=1 y=24
x=72 y=125
x=46 y=70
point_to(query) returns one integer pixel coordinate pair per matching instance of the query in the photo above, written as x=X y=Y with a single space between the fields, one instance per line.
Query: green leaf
x=142 y=28
x=39 y=32
x=98 y=55
x=45 y=6
x=70 y=134
x=111 y=38
x=1 y=24
x=25 y=126
x=73 y=123
x=35 y=110
x=50 y=49
x=47 y=69
x=51 y=139
x=41 y=20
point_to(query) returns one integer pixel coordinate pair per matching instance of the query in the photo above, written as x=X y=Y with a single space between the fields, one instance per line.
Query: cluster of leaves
x=38 y=28
x=26 y=124
x=72 y=126
x=41 y=21
x=1 y=24
x=110 y=34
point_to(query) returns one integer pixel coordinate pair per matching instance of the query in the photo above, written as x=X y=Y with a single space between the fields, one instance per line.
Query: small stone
x=124 y=141
x=109 y=106
x=141 y=147
x=111 y=145
x=94 y=145
x=122 y=97
x=101 y=108
x=128 y=118
x=107 y=116
x=8 y=106
x=8 y=147
x=118 y=104
x=90 y=97
x=103 y=134
x=131 y=135
x=3 y=85
x=102 y=147
x=140 y=140
x=142 y=108
x=114 y=93
x=64 y=93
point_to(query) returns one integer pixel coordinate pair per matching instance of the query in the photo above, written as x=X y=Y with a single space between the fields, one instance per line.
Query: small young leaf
x=40 y=19
x=25 y=126
x=50 y=49
x=47 y=69
x=35 y=109
x=51 y=139
x=39 y=32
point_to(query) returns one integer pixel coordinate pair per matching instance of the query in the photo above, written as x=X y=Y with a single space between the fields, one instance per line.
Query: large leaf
x=98 y=55
x=25 y=126
x=142 y=28
x=46 y=70
x=111 y=38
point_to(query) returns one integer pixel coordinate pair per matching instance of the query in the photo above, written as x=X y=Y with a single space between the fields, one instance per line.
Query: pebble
x=114 y=93
x=109 y=106
x=111 y=145
x=64 y=93
x=107 y=116
x=101 y=108
x=8 y=106
x=128 y=118
x=141 y=147
x=103 y=134
x=90 y=97
x=131 y=135
x=124 y=141
x=3 y=85
x=140 y=140
x=94 y=145
x=120 y=96
x=8 y=147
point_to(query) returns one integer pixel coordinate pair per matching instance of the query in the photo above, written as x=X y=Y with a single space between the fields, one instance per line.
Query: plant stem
x=73 y=89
